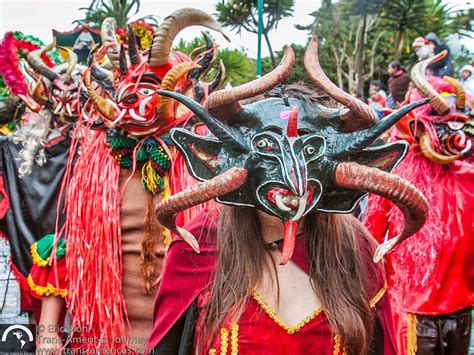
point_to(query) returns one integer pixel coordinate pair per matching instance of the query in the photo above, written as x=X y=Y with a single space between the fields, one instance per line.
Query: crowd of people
x=399 y=80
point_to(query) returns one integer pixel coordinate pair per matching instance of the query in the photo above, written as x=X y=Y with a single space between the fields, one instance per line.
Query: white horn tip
x=385 y=248
x=188 y=238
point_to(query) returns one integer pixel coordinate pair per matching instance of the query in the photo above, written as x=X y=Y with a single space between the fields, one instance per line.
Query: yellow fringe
x=412 y=346
x=37 y=259
x=378 y=296
x=49 y=290
x=4 y=130
x=166 y=194
x=148 y=177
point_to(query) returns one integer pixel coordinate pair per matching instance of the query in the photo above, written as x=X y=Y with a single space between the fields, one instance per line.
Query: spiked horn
x=219 y=78
x=419 y=78
x=107 y=35
x=165 y=106
x=72 y=62
x=224 y=103
x=132 y=47
x=35 y=61
x=410 y=201
x=123 y=61
x=362 y=139
x=359 y=115
x=426 y=148
x=172 y=25
x=220 y=185
x=101 y=105
x=460 y=94
x=223 y=132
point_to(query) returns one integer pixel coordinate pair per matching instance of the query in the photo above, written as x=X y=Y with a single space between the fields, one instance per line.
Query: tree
x=121 y=10
x=243 y=15
x=239 y=69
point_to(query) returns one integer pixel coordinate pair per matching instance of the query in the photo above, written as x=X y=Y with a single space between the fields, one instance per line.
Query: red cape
x=186 y=274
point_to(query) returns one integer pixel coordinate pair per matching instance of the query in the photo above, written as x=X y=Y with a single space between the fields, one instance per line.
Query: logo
x=17 y=338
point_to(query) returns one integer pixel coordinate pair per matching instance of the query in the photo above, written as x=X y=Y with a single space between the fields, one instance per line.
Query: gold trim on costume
x=234 y=339
x=412 y=346
x=49 y=290
x=37 y=259
x=289 y=329
x=224 y=341
x=378 y=296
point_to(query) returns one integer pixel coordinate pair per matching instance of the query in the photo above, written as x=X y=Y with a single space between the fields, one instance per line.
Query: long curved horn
x=460 y=94
x=178 y=20
x=359 y=115
x=165 y=106
x=132 y=47
x=72 y=62
x=225 y=102
x=107 y=36
x=101 y=105
x=220 y=185
x=35 y=61
x=410 y=201
x=426 y=148
x=419 y=79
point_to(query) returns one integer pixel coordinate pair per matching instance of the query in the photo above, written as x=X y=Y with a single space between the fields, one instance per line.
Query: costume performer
x=431 y=279
x=34 y=156
x=114 y=248
x=279 y=270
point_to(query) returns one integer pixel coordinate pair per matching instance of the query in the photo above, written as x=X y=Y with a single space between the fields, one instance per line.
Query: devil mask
x=56 y=89
x=443 y=130
x=288 y=157
x=131 y=101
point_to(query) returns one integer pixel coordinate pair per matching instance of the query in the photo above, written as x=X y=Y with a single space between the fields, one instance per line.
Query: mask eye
x=455 y=125
x=264 y=144
x=309 y=150
x=145 y=91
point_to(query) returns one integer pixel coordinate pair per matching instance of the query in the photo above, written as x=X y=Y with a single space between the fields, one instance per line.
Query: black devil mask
x=288 y=157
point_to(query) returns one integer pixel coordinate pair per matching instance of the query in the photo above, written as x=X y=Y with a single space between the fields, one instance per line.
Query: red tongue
x=291 y=228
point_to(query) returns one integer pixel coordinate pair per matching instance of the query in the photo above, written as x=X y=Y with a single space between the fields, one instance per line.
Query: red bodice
x=261 y=331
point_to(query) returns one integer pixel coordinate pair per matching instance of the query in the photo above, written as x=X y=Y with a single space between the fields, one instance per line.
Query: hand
x=49 y=343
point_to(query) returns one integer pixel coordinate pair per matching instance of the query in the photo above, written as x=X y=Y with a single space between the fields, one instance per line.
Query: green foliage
x=298 y=73
x=393 y=25
x=243 y=15
x=239 y=69
x=121 y=10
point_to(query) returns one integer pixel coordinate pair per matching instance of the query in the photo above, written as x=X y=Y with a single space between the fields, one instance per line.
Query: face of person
x=391 y=70
x=465 y=74
x=374 y=87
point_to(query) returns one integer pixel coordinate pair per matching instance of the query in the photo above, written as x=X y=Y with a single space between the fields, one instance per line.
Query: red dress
x=186 y=277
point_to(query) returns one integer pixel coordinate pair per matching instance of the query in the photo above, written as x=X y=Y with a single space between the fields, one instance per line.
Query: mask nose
x=130 y=98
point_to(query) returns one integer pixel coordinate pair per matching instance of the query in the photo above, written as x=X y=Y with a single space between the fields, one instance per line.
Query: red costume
x=186 y=277
x=431 y=274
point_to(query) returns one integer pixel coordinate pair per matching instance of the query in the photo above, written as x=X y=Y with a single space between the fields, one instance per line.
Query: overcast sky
x=38 y=17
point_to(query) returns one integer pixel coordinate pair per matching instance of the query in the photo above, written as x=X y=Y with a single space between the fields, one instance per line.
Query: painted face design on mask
x=56 y=89
x=444 y=132
x=132 y=104
x=288 y=158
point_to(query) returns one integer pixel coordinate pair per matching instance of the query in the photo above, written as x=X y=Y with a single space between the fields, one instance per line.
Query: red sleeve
x=49 y=280
x=185 y=274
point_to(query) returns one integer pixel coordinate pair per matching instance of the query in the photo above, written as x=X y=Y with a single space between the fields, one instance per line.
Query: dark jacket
x=444 y=66
x=398 y=85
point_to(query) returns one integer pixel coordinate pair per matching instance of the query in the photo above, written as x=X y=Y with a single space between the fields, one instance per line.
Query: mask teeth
x=280 y=204
x=301 y=209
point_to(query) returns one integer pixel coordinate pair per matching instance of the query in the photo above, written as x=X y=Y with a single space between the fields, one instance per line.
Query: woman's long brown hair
x=337 y=271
